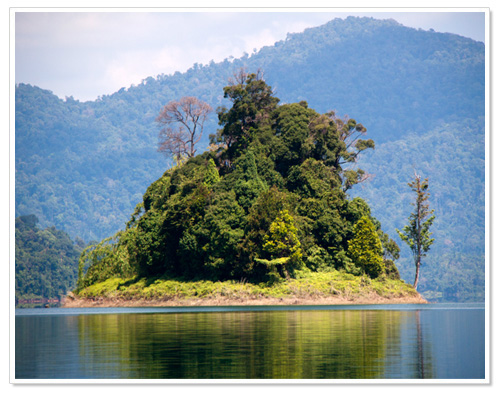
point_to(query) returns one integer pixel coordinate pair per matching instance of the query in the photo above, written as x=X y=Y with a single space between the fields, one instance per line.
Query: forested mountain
x=83 y=166
x=46 y=260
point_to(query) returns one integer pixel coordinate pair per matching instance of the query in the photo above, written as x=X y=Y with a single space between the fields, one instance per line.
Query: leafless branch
x=182 y=123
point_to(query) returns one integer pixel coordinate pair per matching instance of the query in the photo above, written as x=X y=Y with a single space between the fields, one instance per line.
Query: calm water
x=329 y=342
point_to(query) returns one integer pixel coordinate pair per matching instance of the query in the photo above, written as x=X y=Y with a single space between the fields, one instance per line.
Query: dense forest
x=46 y=260
x=418 y=92
x=269 y=198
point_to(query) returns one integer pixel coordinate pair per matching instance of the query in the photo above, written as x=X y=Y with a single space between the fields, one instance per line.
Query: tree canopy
x=46 y=260
x=269 y=200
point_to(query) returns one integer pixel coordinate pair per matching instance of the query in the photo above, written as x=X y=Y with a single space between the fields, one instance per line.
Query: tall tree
x=338 y=142
x=350 y=134
x=416 y=234
x=253 y=102
x=182 y=123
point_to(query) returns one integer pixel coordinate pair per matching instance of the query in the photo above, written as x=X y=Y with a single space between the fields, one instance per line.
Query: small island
x=263 y=217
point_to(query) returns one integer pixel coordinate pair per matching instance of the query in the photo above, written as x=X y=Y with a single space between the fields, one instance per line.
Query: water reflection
x=294 y=344
x=314 y=344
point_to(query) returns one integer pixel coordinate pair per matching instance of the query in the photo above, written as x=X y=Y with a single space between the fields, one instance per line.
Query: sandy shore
x=223 y=301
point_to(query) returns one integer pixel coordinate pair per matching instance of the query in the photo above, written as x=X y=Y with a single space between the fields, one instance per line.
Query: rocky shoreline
x=78 y=302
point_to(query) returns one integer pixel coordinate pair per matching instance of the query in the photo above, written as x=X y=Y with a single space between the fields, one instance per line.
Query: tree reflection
x=347 y=344
x=424 y=366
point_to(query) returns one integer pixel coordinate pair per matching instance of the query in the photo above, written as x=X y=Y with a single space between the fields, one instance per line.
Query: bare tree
x=182 y=126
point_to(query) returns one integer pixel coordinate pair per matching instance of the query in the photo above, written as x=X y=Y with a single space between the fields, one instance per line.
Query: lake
x=371 y=342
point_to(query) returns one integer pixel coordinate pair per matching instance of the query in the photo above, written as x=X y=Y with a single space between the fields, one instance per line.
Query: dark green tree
x=293 y=142
x=416 y=234
x=253 y=103
x=245 y=180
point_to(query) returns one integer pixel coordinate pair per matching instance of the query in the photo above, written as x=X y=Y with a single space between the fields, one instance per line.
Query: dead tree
x=182 y=126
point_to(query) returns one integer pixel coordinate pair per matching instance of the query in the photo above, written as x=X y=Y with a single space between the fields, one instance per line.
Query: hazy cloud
x=87 y=54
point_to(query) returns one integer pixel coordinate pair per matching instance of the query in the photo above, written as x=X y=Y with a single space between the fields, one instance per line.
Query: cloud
x=87 y=54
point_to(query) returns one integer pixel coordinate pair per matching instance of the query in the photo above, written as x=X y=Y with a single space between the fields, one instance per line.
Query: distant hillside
x=46 y=260
x=84 y=166
x=452 y=155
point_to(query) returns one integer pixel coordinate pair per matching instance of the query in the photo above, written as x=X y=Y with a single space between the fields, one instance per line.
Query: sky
x=90 y=54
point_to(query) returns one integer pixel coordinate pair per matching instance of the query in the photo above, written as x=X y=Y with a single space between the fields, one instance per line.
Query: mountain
x=83 y=166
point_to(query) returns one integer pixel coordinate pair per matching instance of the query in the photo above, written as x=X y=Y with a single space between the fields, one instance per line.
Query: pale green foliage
x=179 y=160
x=212 y=174
x=107 y=259
x=306 y=284
x=365 y=248
x=282 y=242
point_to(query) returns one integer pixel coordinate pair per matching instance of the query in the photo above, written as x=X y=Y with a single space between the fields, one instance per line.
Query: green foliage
x=312 y=179
x=307 y=284
x=318 y=259
x=212 y=174
x=293 y=145
x=452 y=156
x=264 y=210
x=46 y=261
x=391 y=248
x=105 y=260
x=252 y=103
x=214 y=242
x=282 y=243
x=146 y=247
x=432 y=87
x=391 y=271
x=417 y=234
x=216 y=217
x=245 y=181
x=365 y=249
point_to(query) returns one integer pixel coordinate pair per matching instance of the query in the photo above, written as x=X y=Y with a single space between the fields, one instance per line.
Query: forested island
x=263 y=216
x=420 y=93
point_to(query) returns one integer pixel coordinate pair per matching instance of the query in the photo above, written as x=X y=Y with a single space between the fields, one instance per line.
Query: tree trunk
x=416 y=275
x=419 y=228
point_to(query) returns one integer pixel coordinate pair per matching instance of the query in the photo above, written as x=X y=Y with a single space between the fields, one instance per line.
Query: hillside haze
x=83 y=166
